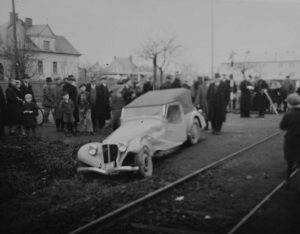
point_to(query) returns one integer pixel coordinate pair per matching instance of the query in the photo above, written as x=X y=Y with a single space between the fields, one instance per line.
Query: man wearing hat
x=70 y=88
x=291 y=124
x=217 y=99
x=48 y=98
x=102 y=103
x=26 y=87
x=260 y=100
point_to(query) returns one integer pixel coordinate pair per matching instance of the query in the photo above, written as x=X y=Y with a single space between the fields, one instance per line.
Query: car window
x=174 y=114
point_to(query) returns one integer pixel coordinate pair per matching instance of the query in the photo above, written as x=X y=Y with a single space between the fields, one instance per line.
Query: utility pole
x=212 y=37
x=15 y=62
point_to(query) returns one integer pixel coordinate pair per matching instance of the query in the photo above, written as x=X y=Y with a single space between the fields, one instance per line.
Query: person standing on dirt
x=48 y=98
x=233 y=93
x=26 y=87
x=102 y=103
x=2 y=112
x=29 y=114
x=291 y=123
x=117 y=103
x=217 y=99
x=84 y=107
x=245 y=101
x=92 y=89
x=14 y=105
x=58 y=93
x=200 y=98
x=70 y=88
x=260 y=101
x=286 y=89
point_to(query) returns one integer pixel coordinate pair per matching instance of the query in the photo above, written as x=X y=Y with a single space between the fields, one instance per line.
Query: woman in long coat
x=217 y=100
x=201 y=98
x=14 y=106
x=102 y=103
x=245 y=102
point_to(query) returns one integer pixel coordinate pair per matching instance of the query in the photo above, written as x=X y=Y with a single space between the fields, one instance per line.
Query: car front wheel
x=144 y=162
x=195 y=133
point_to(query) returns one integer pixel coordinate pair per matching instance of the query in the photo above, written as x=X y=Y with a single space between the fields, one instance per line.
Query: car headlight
x=122 y=147
x=93 y=150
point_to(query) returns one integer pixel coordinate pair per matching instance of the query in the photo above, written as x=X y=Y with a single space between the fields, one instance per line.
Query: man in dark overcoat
x=245 y=101
x=26 y=87
x=260 y=101
x=14 y=105
x=92 y=89
x=102 y=103
x=291 y=124
x=70 y=88
x=2 y=112
x=217 y=100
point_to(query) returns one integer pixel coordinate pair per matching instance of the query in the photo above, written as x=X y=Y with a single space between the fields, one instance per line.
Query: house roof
x=122 y=66
x=62 y=45
x=161 y=97
x=37 y=29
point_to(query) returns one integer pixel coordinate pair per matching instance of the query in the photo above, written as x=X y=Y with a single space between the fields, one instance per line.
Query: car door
x=176 y=127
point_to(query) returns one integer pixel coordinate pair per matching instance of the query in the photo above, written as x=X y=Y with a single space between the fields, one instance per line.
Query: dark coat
x=201 y=98
x=226 y=84
x=67 y=110
x=260 y=101
x=166 y=85
x=176 y=83
x=147 y=87
x=245 y=101
x=27 y=89
x=72 y=91
x=127 y=94
x=2 y=111
x=291 y=123
x=14 y=105
x=102 y=102
x=48 y=96
x=217 y=102
x=29 y=114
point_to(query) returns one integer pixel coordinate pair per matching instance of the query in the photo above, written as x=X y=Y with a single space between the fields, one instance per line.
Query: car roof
x=165 y=96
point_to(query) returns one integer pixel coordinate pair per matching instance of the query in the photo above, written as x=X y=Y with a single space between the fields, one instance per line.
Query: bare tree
x=160 y=52
x=241 y=66
x=26 y=62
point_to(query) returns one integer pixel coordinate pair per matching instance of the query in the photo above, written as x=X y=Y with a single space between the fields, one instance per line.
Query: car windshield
x=142 y=111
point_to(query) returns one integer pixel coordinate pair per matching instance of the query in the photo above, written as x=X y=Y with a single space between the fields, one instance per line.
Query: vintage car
x=151 y=125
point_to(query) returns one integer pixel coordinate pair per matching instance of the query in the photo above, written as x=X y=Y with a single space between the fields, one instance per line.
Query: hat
x=28 y=95
x=82 y=85
x=217 y=75
x=71 y=78
x=293 y=100
x=48 y=79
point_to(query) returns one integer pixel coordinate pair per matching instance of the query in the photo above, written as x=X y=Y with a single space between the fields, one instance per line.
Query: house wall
x=66 y=65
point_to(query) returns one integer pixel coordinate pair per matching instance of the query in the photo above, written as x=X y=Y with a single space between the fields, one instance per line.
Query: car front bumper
x=108 y=171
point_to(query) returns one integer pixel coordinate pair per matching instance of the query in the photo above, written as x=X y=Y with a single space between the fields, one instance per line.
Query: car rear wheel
x=144 y=162
x=195 y=133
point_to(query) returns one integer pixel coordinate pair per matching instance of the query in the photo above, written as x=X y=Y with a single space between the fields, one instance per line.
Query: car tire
x=195 y=133
x=144 y=161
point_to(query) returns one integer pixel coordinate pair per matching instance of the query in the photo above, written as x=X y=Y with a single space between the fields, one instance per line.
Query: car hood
x=132 y=129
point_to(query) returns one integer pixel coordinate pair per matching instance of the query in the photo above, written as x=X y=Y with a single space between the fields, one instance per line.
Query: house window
x=46 y=45
x=40 y=67
x=1 y=71
x=54 y=67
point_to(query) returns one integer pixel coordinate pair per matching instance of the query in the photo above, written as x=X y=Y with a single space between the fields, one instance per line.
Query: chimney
x=11 y=18
x=28 y=22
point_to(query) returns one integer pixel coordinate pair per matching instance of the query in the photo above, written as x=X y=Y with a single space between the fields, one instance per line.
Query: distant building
x=268 y=68
x=121 y=68
x=50 y=54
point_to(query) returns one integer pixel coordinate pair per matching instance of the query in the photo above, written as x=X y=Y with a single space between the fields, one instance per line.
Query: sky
x=102 y=29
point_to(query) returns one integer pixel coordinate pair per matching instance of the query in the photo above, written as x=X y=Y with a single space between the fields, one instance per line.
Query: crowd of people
x=87 y=108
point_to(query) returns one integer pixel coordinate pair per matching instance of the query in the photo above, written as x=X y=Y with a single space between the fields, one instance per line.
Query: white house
x=49 y=54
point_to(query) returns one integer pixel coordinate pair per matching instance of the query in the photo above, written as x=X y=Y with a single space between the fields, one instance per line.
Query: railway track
x=133 y=207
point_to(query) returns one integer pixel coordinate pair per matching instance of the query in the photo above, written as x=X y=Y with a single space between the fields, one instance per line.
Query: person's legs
x=46 y=113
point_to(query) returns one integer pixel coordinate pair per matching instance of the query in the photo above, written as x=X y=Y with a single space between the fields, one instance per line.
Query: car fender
x=191 y=116
x=138 y=143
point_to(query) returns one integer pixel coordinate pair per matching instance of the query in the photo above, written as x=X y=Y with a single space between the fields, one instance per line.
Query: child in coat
x=291 y=123
x=29 y=114
x=67 y=109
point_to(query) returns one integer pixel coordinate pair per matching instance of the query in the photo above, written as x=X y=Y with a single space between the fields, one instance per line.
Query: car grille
x=110 y=153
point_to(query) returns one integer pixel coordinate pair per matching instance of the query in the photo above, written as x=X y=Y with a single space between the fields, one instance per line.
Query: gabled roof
x=62 y=45
x=38 y=29
x=165 y=96
x=122 y=66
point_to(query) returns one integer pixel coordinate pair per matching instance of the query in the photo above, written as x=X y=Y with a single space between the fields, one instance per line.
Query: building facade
x=44 y=53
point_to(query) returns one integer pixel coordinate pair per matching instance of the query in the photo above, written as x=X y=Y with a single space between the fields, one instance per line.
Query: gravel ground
x=280 y=215
x=215 y=201
x=66 y=203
